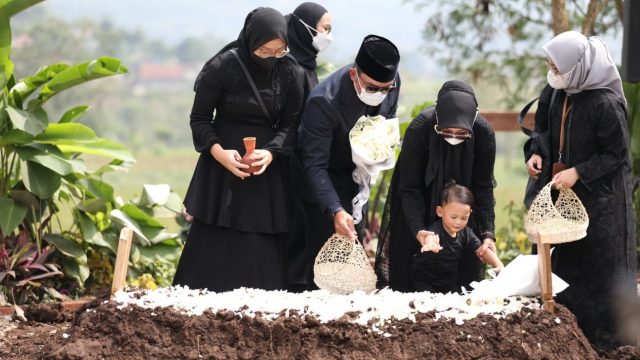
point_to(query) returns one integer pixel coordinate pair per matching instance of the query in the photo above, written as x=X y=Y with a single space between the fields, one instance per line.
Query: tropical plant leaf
x=134 y=255
x=140 y=216
x=78 y=272
x=154 y=194
x=73 y=114
x=160 y=252
x=99 y=146
x=15 y=137
x=65 y=133
x=11 y=215
x=12 y=7
x=56 y=295
x=26 y=86
x=123 y=219
x=78 y=74
x=33 y=122
x=90 y=232
x=26 y=199
x=68 y=247
x=93 y=206
x=174 y=203
x=40 y=180
x=99 y=188
x=111 y=241
x=46 y=157
x=30 y=279
x=6 y=66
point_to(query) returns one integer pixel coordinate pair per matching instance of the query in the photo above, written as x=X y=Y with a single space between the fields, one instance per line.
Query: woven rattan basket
x=342 y=267
x=564 y=221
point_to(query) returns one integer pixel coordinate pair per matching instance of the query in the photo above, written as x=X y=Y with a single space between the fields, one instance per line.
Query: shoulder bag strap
x=565 y=111
x=522 y=115
x=253 y=85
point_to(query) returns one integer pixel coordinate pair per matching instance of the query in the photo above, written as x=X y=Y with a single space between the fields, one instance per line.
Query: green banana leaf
x=67 y=247
x=78 y=74
x=11 y=215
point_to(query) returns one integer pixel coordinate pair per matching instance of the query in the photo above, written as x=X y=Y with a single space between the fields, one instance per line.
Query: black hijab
x=300 y=37
x=260 y=26
x=456 y=107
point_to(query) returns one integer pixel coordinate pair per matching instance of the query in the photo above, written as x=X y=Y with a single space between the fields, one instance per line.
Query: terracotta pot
x=249 y=147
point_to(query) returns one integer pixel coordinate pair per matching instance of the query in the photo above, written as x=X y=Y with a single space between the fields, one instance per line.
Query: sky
x=401 y=21
x=173 y=20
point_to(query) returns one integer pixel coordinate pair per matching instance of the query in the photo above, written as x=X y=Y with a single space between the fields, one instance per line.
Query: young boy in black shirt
x=435 y=268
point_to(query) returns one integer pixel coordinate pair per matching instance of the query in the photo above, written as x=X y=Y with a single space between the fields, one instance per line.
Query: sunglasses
x=374 y=89
x=452 y=135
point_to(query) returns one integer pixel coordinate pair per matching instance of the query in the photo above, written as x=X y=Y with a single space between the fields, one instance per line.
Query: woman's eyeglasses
x=374 y=89
x=465 y=134
x=266 y=53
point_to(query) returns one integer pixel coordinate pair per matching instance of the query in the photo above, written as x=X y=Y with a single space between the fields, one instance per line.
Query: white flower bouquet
x=375 y=138
x=373 y=149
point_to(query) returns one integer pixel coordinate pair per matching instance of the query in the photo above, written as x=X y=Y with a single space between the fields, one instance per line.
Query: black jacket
x=331 y=111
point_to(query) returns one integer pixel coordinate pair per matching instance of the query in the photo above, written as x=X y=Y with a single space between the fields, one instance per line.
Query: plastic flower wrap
x=373 y=144
x=375 y=138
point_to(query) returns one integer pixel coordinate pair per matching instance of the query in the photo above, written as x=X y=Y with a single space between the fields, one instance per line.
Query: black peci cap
x=378 y=58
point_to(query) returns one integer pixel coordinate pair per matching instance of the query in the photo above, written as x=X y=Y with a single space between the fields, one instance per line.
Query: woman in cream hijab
x=585 y=85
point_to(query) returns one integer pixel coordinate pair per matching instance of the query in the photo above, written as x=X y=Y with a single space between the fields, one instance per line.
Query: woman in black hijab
x=309 y=30
x=240 y=218
x=449 y=141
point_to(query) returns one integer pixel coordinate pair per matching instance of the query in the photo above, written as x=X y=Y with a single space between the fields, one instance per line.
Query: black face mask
x=264 y=63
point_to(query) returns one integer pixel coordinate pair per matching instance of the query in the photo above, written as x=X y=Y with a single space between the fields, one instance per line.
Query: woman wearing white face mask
x=449 y=141
x=309 y=31
x=583 y=134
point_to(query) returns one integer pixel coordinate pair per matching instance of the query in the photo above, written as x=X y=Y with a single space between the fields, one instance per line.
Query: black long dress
x=236 y=236
x=604 y=262
x=412 y=198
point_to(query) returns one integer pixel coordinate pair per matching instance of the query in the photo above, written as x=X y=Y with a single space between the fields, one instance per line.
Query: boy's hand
x=422 y=236
x=497 y=269
x=432 y=243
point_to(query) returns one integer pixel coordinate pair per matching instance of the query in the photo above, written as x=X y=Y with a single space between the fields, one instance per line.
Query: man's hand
x=343 y=224
x=487 y=245
x=230 y=159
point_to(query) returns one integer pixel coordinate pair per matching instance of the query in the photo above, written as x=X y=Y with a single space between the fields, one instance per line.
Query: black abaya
x=233 y=215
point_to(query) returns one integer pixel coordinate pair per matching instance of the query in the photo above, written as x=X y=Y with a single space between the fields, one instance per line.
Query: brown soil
x=136 y=333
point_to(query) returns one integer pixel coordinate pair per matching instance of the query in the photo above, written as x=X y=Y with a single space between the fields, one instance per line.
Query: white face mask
x=454 y=141
x=371 y=99
x=321 y=40
x=558 y=81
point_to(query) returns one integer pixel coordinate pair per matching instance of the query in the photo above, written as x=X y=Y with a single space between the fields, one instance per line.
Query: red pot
x=249 y=147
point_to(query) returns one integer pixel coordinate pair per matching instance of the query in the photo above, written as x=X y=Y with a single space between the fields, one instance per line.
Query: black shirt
x=438 y=272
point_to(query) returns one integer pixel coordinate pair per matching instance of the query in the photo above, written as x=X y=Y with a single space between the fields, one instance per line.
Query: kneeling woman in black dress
x=240 y=218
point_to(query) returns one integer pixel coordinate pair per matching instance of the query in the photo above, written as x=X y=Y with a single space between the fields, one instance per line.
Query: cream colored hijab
x=589 y=61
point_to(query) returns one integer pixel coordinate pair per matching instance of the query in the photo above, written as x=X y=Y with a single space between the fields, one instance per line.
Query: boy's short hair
x=458 y=193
